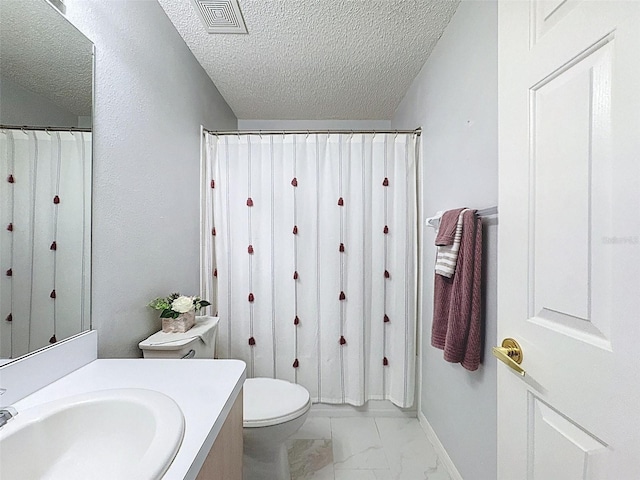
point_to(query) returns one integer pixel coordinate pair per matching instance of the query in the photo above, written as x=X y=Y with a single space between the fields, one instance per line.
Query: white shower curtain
x=309 y=247
x=45 y=237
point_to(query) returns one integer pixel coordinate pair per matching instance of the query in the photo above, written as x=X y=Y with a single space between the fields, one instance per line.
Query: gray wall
x=19 y=106
x=454 y=99
x=151 y=98
x=314 y=124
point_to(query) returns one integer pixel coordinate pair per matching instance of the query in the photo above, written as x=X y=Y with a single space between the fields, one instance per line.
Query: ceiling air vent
x=220 y=16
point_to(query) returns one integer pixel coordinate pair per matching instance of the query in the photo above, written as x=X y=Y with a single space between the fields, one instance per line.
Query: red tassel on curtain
x=251 y=297
x=296 y=364
x=386 y=318
x=10 y=227
x=53 y=294
x=10 y=179
x=249 y=202
x=386 y=230
x=342 y=296
x=295 y=229
x=341 y=247
x=53 y=339
x=295 y=275
x=385 y=362
x=56 y=199
x=215 y=272
x=252 y=341
x=250 y=249
x=296 y=321
x=343 y=341
x=294 y=182
x=9 y=318
x=385 y=182
x=213 y=183
x=9 y=272
x=386 y=274
x=54 y=246
x=213 y=231
x=340 y=202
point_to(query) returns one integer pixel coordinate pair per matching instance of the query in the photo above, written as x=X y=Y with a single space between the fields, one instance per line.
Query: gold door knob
x=511 y=354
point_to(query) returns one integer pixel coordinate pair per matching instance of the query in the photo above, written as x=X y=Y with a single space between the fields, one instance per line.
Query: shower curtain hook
x=308 y=133
x=46 y=130
x=22 y=129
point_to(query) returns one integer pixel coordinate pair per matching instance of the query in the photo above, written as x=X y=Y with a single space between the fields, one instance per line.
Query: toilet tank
x=197 y=342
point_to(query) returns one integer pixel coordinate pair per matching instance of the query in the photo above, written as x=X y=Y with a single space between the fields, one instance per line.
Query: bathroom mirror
x=46 y=103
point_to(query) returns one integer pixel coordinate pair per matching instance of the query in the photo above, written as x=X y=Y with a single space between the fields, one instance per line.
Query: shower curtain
x=45 y=237
x=309 y=247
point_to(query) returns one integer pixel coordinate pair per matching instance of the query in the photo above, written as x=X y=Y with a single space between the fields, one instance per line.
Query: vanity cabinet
x=224 y=461
x=71 y=368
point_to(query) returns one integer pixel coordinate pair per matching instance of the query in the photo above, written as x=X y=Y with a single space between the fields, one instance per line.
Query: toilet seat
x=268 y=401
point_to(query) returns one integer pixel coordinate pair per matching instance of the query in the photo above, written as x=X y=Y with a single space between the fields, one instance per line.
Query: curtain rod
x=417 y=131
x=51 y=129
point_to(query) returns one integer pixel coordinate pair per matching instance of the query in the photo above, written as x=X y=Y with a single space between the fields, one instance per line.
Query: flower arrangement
x=175 y=305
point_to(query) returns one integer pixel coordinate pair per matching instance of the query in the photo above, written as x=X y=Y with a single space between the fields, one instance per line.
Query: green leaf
x=204 y=303
x=168 y=313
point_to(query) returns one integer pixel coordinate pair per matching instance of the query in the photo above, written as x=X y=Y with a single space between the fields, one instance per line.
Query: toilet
x=273 y=410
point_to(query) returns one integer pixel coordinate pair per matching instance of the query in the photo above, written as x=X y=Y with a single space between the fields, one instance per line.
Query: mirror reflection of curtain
x=45 y=193
x=309 y=242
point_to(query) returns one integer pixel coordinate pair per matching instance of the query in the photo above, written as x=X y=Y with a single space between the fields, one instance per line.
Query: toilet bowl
x=273 y=410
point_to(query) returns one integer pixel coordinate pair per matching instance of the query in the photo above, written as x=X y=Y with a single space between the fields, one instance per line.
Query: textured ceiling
x=317 y=59
x=43 y=52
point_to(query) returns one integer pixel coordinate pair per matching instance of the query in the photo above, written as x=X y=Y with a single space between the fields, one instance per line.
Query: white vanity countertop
x=204 y=389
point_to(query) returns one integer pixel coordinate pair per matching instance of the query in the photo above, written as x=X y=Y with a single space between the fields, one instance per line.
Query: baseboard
x=373 y=408
x=442 y=453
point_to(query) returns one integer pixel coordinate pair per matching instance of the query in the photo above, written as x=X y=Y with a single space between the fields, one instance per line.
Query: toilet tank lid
x=203 y=330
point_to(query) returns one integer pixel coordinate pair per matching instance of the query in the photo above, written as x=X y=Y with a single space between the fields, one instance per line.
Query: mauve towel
x=447 y=228
x=457 y=308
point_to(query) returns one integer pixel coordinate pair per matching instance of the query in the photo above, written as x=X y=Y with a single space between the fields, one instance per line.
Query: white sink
x=125 y=433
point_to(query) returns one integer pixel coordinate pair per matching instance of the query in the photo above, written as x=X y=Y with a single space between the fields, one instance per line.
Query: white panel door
x=569 y=239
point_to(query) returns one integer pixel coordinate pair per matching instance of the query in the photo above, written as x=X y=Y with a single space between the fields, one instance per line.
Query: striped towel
x=447 y=256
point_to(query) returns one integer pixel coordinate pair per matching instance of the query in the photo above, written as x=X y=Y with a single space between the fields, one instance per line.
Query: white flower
x=182 y=304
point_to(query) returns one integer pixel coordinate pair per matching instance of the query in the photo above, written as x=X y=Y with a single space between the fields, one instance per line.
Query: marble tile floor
x=363 y=448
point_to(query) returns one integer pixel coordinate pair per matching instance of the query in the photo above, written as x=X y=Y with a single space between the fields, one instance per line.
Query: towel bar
x=483 y=213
